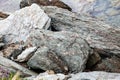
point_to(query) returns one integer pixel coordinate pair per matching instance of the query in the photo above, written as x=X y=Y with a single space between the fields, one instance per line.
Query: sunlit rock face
x=9 y=5
x=107 y=10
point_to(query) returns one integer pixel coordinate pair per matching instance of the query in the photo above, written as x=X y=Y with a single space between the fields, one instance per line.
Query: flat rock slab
x=59 y=51
x=18 y=25
x=95 y=76
x=97 y=33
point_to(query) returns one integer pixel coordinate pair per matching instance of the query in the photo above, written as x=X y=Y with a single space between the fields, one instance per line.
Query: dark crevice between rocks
x=105 y=61
x=37 y=70
x=52 y=28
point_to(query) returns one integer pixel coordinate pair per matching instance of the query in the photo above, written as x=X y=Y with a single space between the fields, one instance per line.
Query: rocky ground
x=60 y=39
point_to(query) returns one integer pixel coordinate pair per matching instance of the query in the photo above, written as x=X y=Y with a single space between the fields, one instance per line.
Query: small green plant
x=8 y=77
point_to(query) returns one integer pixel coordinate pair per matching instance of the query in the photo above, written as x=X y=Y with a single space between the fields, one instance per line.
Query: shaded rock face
x=99 y=35
x=95 y=76
x=107 y=10
x=18 y=25
x=108 y=64
x=59 y=51
x=57 y=3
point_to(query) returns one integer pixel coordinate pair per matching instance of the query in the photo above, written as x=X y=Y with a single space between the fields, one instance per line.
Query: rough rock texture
x=9 y=5
x=18 y=25
x=47 y=76
x=108 y=64
x=107 y=10
x=26 y=54
x=57 y=3
x=99 y=35
x=59 y=51
x=13 y=67
x=95 y=76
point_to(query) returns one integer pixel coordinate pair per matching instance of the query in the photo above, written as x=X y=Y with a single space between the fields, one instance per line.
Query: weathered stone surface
x=26 y=54
x=98 y=34
x=18 y=25
x=12 y=50
x=108 y=64
x=59 y=51
x=95 y=76
x=47 y=76
x=12 y=66
x=107 y=10
x=57 y=3
x=9 y=5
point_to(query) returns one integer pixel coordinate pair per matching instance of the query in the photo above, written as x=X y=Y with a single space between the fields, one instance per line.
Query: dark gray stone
x=97 y=33
x=59 y=51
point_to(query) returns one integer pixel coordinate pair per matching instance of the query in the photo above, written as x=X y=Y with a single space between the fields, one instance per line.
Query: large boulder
x=18 y=25
x=59 y=51
x=101 y=36
x=107 y=10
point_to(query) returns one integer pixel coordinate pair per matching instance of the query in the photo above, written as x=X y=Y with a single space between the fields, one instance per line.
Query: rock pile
x=60 y=42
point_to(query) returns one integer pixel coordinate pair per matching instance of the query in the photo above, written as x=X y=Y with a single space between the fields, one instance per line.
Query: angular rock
x=59 y=51
x=107 y=10
x=95 y=76
x=26 y=54
x=15 y=53
x=57 y=3
x=18 y=25
x=98 y=34
x=12 y=66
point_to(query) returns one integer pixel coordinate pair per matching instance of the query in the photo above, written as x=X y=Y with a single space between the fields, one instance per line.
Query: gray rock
x=98 y=34
x=107 y=10
x=95 y=76
x=9 y=5
x=47 y=76
x=26 y=54
x=14 y=67
x=59 y=51
x=18 y=25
